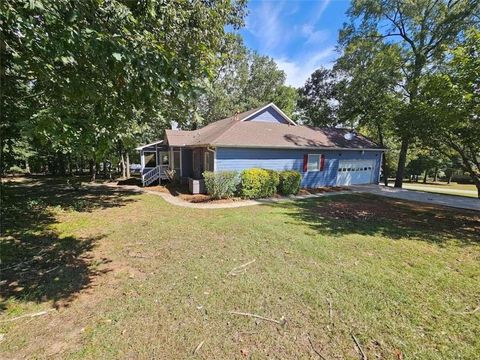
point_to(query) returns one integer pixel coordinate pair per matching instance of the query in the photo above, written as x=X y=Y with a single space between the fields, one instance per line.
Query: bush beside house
x=289 y=182
x=259 y=183
x=251 y=184
x=222 y=184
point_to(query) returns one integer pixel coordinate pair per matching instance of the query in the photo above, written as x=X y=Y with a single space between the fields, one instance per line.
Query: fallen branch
x=139 y=256
x=198 y=347
x=315 y=350
x=241 y=268
x=470 y=312
x=28 y=315
x=282 y=321
x=17 y=266
x=52 y=269
x=364 y=357
x=330 y=310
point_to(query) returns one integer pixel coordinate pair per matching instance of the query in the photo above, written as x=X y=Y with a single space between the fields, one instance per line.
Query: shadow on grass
x=37 y=263
x=375 y=215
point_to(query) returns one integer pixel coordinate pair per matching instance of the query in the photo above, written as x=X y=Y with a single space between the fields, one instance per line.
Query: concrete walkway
x=439 y=189
x=420 y=196
x=403 y=194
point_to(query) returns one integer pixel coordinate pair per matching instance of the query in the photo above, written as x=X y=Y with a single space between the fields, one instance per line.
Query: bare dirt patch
x=403 y=214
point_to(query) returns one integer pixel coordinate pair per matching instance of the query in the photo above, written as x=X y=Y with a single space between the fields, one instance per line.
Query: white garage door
x=355 y=172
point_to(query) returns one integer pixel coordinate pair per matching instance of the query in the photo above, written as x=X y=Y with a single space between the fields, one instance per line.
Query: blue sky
x=300 y=35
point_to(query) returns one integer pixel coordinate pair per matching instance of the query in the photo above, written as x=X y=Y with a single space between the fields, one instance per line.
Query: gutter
x=286 y=147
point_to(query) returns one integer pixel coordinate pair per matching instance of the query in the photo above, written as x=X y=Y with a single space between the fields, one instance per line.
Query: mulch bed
x=183 y=192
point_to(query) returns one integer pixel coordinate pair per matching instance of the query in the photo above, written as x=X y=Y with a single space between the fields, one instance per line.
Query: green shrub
x=221 y=184
x=289 y=182
x=259 y=183
x=272 y=183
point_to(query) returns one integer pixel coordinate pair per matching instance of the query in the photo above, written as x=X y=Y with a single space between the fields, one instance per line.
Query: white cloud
x=314 y=37
x=266 y=24
x=321 y=9
x=299 y=70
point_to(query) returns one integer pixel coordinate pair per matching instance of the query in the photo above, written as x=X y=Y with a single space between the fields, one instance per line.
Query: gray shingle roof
x=233 y=132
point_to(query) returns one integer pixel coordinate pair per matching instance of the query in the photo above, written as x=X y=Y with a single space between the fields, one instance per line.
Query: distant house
x=264 y=138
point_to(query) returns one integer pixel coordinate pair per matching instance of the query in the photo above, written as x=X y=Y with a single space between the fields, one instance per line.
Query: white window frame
x=319 y=163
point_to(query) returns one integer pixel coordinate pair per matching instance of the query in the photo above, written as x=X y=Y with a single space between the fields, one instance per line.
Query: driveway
x=421 y=196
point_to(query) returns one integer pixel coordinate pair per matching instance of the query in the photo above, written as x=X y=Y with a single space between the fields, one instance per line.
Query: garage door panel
x=355 y=172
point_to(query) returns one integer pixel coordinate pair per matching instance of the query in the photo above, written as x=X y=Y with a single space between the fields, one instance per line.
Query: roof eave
x=288 y=147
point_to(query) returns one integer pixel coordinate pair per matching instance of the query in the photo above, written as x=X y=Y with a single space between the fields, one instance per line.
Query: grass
x=467 y=190
x=134 y=277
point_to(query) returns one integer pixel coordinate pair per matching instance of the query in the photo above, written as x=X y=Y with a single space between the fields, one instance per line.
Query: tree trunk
x=402 y=159
x=27 y=166
x=122 y=165
x=127 y=165
x=425 y=176
x=435 y=175
x=386 y=170
x=93 y=170
x=449 y=179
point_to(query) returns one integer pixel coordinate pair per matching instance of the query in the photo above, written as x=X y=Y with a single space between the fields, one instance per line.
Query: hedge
x=259 y=183
x=289 y=182
x=221 y=184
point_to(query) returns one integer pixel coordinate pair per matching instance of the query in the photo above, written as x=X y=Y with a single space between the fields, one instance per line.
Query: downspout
x=212 y=150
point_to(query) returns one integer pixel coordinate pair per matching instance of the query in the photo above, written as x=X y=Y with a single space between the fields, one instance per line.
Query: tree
x=421 y=30
x=349 y=94
x=317 y=102
x=451 y=107
x=79 y=77
x=245 y=80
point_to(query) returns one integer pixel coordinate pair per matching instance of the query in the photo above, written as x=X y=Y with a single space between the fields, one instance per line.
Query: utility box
x=196 y=186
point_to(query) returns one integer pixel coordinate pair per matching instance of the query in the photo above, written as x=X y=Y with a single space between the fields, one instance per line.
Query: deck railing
x=151 y=175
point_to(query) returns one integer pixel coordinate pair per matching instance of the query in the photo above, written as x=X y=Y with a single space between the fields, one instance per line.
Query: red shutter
x=305 y=163
x=322 y=162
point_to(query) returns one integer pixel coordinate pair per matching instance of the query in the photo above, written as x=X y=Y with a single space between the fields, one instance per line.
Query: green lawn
x=468 y=190
x=132 y=276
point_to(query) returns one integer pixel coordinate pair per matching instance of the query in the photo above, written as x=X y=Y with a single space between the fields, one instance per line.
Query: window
x=150 y=159
x=175 y=163
x=208 y=161
x=313 y=162
x=164 y=158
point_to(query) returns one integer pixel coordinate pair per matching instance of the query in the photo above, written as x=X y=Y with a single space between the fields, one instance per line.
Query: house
x=264 y=138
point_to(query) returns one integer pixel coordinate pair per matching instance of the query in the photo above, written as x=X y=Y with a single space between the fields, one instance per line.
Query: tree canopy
x=88 y=75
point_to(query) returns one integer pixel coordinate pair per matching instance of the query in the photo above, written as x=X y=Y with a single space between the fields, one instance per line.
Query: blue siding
x=269 y=115
x=292 y=159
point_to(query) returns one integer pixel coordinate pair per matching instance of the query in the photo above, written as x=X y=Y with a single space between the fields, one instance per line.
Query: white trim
x=214 y=153
x=275 y=107
x=142 y=159
x=144 y=146
x=380 y=168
